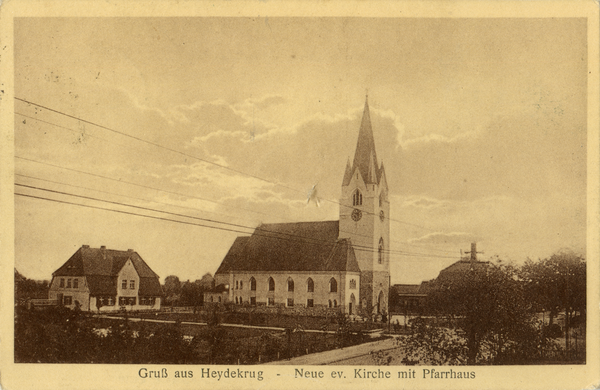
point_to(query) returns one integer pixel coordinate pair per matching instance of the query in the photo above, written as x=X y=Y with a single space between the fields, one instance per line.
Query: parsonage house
x=341 y=264
x=100 y=279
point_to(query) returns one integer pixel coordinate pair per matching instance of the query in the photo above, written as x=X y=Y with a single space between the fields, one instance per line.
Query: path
x=341 y=356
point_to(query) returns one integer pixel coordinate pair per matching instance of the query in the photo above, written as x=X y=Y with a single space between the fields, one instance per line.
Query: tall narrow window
x=132 y=284
x=124 y=284
x=310 y=285
x=332 y=285
x=68 y=283
x=290 y=284
x=75 y=283
x=252 y=284
x=271 y=284
x=380 y=251
x=62 y=282
x=357 y=198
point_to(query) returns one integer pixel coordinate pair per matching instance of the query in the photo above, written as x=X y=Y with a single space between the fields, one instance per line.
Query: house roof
x=401 y=289
x=461 y=268
x=101 y=267
x=292 y=247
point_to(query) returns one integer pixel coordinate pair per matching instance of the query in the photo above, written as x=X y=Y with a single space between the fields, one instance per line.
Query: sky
x=226 y=123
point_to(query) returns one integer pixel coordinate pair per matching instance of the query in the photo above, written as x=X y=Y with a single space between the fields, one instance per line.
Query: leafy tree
x=557 y=284
x=485 y=305
x=172 y=289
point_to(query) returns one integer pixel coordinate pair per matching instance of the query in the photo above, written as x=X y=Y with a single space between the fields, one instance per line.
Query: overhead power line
x=198 y=158
x=145 y=200
x=231 y=227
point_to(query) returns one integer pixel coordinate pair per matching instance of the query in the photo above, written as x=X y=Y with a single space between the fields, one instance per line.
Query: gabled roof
x=101 y=267
x=300 y=246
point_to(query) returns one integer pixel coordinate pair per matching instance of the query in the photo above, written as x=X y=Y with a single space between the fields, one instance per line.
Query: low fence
x=32 y=303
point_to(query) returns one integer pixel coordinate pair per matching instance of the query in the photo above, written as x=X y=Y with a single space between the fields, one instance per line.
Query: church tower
x=364 y=218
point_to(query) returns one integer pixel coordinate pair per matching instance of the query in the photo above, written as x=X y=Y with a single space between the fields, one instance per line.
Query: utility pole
x=473 y=252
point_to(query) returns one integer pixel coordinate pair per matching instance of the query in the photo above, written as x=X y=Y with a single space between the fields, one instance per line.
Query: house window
x=143 y=301
x=75 y=283
x=132 y=284
x=334 y=303
x=110 y=301
x=252 y=284
x=101 y=300
x=309 y=303
x=122 y=301
x=237 y=285
x=124 y=284
x=271 y=284
x=310 y=285
x=236 y=300
x=330 y=303
x=219 y=299
x=253 y=301
x=352 y=284
x=67 y=300
x=241 y=284
x=271 y=301
x=332 y=285
x=62 y=283
x=357 y=198
x=290 y=302
x=68 y=283
x=290 y=284
x=380 y=251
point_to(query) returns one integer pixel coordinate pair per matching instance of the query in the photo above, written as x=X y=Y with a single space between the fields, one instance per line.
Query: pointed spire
x=347 y=173
x=365 y=147
x=372 y=170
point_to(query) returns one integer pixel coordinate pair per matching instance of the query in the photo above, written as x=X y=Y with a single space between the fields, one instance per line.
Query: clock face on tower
x=356 y=215
x=381 y=215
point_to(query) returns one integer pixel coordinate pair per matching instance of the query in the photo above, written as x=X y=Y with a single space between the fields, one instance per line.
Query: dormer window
x=356 y=198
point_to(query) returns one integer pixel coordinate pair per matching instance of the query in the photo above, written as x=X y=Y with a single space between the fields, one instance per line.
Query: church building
x=343 y=263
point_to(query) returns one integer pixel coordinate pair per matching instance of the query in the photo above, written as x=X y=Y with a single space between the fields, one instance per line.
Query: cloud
x=438 y=238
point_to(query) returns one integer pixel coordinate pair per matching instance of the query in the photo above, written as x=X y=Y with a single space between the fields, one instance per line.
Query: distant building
x=100 y=279
x=331 y=264
x=408 y=298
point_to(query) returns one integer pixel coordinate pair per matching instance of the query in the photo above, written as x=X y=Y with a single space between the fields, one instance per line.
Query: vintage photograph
x=304 y=191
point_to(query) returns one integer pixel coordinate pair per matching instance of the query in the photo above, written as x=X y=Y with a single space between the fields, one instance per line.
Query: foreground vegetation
x=59 y=335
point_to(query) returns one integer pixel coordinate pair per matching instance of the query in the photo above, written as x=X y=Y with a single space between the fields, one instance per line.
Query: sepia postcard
x=301 y=194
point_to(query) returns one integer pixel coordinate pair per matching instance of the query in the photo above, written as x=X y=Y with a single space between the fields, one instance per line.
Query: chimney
x=85 y=246
x=129 y=250
x=103 y=247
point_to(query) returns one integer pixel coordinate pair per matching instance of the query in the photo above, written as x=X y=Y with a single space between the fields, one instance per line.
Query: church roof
x=365 y=157
x=292 y=247
x=101 y=267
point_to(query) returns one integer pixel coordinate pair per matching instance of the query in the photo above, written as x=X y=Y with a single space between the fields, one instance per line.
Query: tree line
x=490 y=313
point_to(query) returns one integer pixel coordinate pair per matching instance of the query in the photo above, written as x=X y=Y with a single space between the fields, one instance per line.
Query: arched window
x=330 y=303
x=290 y=284
x=352 y=284
x=334 y=303
x=271 y=284
x=357 y=198
x=380 y=251
x=237 y=285
x=332 y=285
x=252 y=284
x=236 y=300
x=241 y=284
x=381 y=199
x=310 y=285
